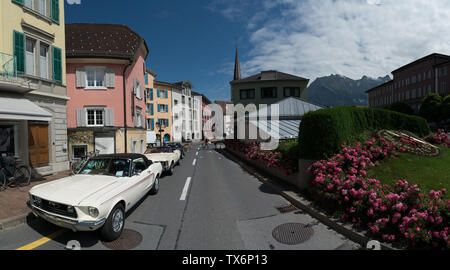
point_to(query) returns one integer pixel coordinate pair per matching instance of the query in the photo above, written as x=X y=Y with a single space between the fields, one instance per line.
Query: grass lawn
x=430 y=173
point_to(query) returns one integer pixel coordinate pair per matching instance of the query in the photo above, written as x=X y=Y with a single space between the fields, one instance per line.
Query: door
x=105 y=145
x=38 y=147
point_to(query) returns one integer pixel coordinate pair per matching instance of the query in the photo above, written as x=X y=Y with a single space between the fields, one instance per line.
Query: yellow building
x=159 y=109
x=33 y=83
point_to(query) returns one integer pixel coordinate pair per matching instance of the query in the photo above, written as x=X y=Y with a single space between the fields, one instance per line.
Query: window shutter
x=109 y=117
x=167 y=94
x=55 y=10
x=80 y=74
x=151 y=109
x=81 y=117
x=110 y=78
x=151 y=93
x=157 y=92
x=20 y=2
x=19 y=51
x=167 y=108
x=57 y=64
x=153 y=123
x=135 y=87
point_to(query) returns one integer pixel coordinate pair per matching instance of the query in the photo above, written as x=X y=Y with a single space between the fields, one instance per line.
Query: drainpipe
x=125 y=106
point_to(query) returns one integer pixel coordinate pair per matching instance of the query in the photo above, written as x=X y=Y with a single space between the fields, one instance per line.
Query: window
x=44 y=61
x=269 y=92
x=138 y=116
x=30 y=50
x=42 y=7
x=95 y=78
x=292 y=92
x=95 y=117
x=78 y=151
x=142 y=150
x=29 y=4
x=133 y=147
x=247 y=94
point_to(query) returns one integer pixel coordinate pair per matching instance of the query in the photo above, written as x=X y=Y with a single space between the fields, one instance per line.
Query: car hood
x=73 y=190
x=155 y=157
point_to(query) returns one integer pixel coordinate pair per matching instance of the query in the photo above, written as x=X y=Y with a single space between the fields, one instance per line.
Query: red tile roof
x=102 y=40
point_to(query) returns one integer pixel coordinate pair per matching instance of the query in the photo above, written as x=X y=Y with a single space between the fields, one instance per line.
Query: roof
x=163 y=83
x=203 y=97
x=270 y=75
x=151 y=72
x=184 y=83
x=102 y=41
x=290 y=107
x=383 y=84
x=279 y=129
x=422 y=59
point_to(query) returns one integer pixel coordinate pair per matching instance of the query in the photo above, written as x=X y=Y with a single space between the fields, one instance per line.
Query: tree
x=445 y=108
x=431 y=108
x=401 y=107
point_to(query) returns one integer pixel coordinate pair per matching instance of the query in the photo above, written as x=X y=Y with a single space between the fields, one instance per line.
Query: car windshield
x=159 y=150
x=111 y=166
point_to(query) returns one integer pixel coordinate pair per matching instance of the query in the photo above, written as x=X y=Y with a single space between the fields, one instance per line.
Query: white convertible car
x=167 y=156
x=99 y=195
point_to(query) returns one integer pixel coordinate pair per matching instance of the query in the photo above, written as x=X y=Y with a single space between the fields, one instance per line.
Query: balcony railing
x=8 y=67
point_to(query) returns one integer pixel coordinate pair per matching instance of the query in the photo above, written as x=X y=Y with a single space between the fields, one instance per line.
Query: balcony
x=9 y=81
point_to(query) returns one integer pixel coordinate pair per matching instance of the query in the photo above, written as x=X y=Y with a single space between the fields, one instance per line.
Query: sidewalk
x=13 y=200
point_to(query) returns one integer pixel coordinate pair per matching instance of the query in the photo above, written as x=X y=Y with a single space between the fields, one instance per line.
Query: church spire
x=237 y=67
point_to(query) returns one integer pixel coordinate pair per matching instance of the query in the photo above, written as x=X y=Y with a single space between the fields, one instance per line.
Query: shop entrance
x=38 y=145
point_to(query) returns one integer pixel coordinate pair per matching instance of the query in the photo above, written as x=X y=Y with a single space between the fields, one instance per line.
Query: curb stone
x=12 y=222
x=308 y=207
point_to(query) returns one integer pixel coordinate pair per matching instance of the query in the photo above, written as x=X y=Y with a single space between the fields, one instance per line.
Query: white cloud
x=312 y=38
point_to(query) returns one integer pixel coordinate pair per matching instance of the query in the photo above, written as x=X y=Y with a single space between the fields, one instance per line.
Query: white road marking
x=185 y=189
x=193 y=163
x=196 y=154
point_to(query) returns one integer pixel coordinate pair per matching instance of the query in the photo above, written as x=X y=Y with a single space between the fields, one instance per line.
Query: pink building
x=102 y=115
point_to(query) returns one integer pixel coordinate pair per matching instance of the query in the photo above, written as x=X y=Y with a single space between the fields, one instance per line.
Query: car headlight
x=93 y=212
x=70 y=209
x=36 y=201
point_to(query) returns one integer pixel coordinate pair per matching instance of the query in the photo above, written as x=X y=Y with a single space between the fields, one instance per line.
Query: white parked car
x=167 y=156
x=99 y=195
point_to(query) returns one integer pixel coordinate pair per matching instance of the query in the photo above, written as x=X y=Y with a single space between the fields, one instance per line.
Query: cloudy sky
x=308 y=38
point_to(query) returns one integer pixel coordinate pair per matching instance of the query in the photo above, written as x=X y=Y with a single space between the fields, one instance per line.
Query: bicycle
x=78 y=164
x=11 y=173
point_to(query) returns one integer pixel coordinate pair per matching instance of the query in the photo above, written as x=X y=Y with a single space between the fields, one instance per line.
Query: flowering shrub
x=273 y=159
x=441 y=138
x=401 y=213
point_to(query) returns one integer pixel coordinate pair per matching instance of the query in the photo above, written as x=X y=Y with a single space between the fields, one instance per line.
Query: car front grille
x=57 y=208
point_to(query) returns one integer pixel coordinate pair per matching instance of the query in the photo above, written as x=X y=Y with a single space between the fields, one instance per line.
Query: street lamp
x=161 y=126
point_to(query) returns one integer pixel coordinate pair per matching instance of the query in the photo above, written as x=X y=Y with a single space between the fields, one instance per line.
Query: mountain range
x=336 y=90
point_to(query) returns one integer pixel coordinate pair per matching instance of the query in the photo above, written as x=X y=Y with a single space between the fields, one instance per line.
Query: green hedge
x=323 y=132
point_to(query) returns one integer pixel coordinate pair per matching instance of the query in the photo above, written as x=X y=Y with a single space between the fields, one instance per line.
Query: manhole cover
x=128 y=240
x=287 y=208
x=292 y=233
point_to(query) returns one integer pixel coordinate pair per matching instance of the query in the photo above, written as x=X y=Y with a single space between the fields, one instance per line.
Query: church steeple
x=237 y=67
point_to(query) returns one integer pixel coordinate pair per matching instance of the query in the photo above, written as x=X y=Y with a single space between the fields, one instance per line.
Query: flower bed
x=399 y=213
x=439 y=138
x=409 y=144
x=274 y=159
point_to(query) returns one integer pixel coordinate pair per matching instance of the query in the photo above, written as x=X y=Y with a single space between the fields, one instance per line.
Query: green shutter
x=57 y=64
x=19 y=51
x=54 y=10
x=20 y=2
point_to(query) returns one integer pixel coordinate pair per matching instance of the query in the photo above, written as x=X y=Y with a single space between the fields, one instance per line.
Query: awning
x=22 y=109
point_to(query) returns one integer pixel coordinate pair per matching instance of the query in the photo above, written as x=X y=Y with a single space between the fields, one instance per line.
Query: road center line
x=193 y=163
x=185 y=189
x=42 y=241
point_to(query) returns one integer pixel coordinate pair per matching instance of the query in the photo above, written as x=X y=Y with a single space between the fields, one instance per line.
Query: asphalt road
x=222 y=207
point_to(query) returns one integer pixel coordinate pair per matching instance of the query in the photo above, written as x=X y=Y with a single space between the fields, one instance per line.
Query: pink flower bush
x=439 y=138
x=269 y=158
x=401 y=213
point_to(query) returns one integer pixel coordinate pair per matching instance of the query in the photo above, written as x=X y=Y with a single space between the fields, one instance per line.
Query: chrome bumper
x=68 y=223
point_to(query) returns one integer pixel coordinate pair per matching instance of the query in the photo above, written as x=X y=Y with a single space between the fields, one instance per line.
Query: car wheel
x=155 y=187
x=113 y=227
x=171 y=169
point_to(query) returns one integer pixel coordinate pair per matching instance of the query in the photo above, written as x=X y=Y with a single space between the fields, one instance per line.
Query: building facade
x=186 y=113
x=266 y=87
x=412 y=82
x=33 y=97
x=159 y=110
x=106 y=86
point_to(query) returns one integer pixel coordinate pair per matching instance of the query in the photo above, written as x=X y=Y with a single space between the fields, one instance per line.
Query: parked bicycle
x=78 y=164
x=13 y=173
